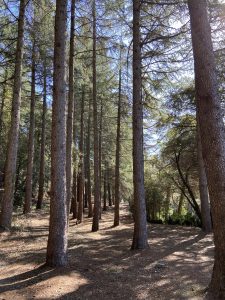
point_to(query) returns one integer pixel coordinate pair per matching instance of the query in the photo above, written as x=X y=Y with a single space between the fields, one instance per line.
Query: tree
x=70 y=113
x=140 y=240
x=212 y=132
x=57 y=239
x=30 y=159
x=11 y=156
x=95 y=224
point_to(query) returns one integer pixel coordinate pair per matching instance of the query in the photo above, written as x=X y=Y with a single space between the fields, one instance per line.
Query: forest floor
x=177 y=264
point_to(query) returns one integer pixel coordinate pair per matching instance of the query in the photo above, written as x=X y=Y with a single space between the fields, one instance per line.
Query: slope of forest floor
x=177 y=264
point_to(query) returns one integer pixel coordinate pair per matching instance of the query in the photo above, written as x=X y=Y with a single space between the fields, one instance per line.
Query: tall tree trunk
x=95 y=223
x=30 y=151
x=12 y=147
x=90 y=214
x=212 y=132
x=117 y=166
x=57 y=239
x=100 y=161
x=80 y=177
x=69 y=134
x=109 y=193
x=203 y=189
x=140 y=224
x=43 y=141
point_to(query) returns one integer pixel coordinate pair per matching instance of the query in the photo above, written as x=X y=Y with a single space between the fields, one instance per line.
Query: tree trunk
x=203 y=189
x=12 y=147
x=43 y=140
x=57 y=239
x=140 y=240
x=90 y=214
x=80 y=176
x=180 y=204
x=95 y=224
x=109 y=193
x=117 y=166
x=74 y=198
x=100 y=161
x=30 y=151
x=167 y=204
x=212 y=132
x=105 y=192
x=69 y=133
x=4 y=89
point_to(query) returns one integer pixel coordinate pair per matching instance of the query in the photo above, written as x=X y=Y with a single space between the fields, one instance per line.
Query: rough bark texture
x=43 y=140
x=117 y=166
x=90 y=213
x=57 y=239
x=203 y=189
x=69 y=134
x=140 y=224
x=80 y=176
x=95 y=224
x=212 y=132
x=12 y=147
x=30 y=148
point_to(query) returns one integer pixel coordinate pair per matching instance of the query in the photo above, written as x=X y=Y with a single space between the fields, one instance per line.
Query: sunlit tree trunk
x=212 y=133
x=140 y=224
x=57 y=239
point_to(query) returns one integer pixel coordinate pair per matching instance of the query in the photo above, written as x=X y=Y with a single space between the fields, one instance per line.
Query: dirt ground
x=177 y=264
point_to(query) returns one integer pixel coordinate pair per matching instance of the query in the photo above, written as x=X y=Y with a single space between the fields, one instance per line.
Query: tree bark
x=117 y=166
x=203 y=189
x=140 y=240
x=57 y=239
x=95 y=223
x=69 y=134
x=90 y=213
x=105 y=192
x=100 y=160
x=30 y=150
x=212 y=132
x=12 y=147
x=43 y=141
x=80 y=176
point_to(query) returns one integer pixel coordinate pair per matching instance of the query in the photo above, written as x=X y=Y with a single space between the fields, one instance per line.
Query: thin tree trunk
x=203 y=189
x=105 y=192
x=30 y=159
x=69 y=134
x=43 y=141
x=90 y=214
x=212 y=132
x=74 y=199
x=167 y=204
x=95 y=224
x=100 y=161
x=4 y=89
x=117 y=166
x=80 y=177
x=140 y=223
x=12 y=147
x=57 y=239
x=109 y=193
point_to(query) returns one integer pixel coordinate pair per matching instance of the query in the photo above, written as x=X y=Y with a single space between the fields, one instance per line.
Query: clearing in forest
x=177 y=264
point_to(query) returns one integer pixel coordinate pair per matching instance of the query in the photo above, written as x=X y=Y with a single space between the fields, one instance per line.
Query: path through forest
x=177 y=264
